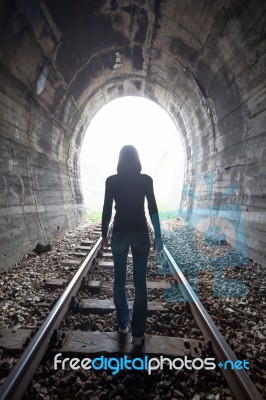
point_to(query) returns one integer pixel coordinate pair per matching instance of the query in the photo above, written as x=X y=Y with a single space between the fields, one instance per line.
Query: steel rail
x=21 y=375
x=239 y=382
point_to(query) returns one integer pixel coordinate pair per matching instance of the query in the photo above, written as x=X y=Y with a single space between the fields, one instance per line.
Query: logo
x=116 y=364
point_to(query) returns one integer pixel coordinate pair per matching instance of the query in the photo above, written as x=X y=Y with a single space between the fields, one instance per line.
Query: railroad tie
x=87 y=242
x=106 y=255
x=93 y=285
x=70 y=263
x=88 y=343
x=15 y=340
x=105 y=264
x=83 y=248
x=95 y=306
x=55 y=283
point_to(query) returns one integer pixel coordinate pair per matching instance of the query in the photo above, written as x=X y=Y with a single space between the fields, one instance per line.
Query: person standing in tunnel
x=128 y=188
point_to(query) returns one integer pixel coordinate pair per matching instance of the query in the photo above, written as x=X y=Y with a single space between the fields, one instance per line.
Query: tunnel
x=203 y=62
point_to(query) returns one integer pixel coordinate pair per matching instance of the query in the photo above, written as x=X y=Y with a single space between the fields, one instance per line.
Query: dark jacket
x=129 y=192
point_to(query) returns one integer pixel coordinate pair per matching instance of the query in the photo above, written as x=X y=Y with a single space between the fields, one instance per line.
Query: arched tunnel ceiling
x=203 y=61
x=111 y=48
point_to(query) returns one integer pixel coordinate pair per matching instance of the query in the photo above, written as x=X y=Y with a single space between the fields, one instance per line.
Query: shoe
x=126 y=330
x=137 y=341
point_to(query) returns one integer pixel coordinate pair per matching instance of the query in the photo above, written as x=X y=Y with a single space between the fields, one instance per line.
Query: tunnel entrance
x=145 y=125
x=61 y=62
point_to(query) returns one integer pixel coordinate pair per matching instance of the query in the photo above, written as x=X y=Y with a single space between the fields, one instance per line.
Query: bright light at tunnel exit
x=145 y=125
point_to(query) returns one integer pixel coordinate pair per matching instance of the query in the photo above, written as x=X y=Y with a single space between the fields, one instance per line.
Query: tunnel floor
x=25 y=298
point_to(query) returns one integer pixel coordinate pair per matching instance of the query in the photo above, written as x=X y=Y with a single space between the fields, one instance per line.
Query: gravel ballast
x=240 y=320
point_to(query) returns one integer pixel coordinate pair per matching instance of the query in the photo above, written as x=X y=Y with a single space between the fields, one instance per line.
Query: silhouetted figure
x=128 y=188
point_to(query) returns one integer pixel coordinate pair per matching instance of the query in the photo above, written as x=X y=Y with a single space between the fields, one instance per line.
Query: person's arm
x=107 y=208
x=153 y=211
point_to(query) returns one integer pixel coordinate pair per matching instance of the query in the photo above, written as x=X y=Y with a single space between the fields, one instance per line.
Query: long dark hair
x=128 y=160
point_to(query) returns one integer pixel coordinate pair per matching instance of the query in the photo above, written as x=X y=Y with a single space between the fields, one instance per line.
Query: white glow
x=145 y=125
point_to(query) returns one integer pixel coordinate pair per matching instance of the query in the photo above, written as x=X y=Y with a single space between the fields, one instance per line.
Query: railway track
x=56 y=336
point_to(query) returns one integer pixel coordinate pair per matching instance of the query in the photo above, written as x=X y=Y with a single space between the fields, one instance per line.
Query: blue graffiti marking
x=217 y=218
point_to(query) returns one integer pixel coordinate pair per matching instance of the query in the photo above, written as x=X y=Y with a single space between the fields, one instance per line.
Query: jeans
x=140 y=247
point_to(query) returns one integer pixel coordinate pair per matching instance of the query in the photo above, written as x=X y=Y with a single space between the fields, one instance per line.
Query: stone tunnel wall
x=39 y=193
x=37 y=200
x=230 y=154
x=204 y=63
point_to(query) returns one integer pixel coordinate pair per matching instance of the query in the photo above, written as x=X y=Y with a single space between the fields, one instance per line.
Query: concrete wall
x=39 y=196
x=204 y=62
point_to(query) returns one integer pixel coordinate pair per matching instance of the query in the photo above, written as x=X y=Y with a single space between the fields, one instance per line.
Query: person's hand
x=158 y=244
x=104 y=243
